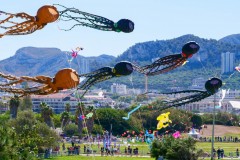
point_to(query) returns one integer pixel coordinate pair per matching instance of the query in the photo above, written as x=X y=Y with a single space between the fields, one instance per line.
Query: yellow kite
x=163 y=120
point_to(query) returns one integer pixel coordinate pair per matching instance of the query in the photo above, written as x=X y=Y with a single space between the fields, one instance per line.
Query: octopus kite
x=211 y=87
x=46 y=14
x=170 y=62
x=94 y=21
x=64 y=79
x=123 y=68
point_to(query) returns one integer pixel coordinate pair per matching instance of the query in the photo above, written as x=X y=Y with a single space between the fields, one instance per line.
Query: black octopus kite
x=94 y=21
x=170 y=62
x=211 y=87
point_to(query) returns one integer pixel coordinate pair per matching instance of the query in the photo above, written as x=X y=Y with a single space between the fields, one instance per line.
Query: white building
x=58 y=101
x=227 y=62
x=228 y=104
x=118 y=88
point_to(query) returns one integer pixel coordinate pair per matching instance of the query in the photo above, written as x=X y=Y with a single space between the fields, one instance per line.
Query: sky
x=153 y=19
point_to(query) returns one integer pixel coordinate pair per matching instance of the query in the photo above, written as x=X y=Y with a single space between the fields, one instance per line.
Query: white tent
x=194 y=133
x=235 y=104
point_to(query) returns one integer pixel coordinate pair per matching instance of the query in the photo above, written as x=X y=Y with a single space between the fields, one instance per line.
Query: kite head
x=124 y=25
x=237 y=68
x=47 y=14
x=123 y=68
x=189 y=49
x=213 y=85
x=66 y=79
x=163 y=120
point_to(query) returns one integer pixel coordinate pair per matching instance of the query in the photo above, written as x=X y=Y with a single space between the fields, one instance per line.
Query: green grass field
x=143 y=150
x=100 y=158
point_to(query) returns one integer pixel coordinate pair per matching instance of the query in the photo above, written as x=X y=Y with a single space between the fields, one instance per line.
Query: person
x=222 y=153
x=84 y=149
x=237 y=152
x=102 y=151
x=63 y=147
x=125 y=151
x=219 y=153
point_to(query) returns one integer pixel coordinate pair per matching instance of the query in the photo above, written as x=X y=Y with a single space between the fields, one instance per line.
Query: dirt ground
x=220 y=130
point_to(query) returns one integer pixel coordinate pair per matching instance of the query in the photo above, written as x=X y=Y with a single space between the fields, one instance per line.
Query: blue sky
x=154 y=20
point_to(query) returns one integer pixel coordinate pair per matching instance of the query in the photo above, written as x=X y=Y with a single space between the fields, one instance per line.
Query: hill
x=32 y=61
x=231 y=39
x=206 y=63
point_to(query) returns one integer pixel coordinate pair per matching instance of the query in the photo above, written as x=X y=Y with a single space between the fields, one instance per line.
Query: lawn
x=143 y=149
x=101 y=158
x=228 y=147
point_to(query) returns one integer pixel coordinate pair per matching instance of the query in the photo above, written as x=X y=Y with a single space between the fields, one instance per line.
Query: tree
x=177 y=149
x=67 y=107
x=32 y=135
x=65 y=118
x=26 y=103
x=8 y=142
x=71 y=129
x=46 y=113
x=79 y=111
x=14 y=104
x=89 y=121
x=196 y=120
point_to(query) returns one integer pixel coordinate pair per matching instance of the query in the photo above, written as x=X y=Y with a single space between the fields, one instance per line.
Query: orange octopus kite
x=46 y=14
x=64 y=79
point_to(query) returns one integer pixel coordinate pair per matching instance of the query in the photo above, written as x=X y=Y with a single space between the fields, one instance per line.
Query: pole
x=214 y=104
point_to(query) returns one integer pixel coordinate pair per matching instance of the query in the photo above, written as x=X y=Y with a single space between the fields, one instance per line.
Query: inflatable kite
x=211 y=87
x=94 y=21
x=89 y=115
x=120 y=69
x=170 y=62
x=237 y=68
x=163 y=120
x=176 y=134
x=64 y=79
x=46 y=14
x=129 y=113
x=74 y=54
x=81 y=117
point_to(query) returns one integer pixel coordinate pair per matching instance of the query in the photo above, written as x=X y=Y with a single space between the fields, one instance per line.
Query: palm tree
x=90 y=121
x=65 y=117
x=46 y=113
x=79 y=111
x=67 y=107
x=14 y=104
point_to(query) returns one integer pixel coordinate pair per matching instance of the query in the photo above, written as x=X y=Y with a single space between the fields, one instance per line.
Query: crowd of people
x=220 y=139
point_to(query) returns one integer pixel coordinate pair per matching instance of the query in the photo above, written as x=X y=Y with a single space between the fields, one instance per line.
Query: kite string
x=84 y=123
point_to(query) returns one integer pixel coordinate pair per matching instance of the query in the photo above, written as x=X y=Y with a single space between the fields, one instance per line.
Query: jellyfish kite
x=170 y=62
x=46 y=14
x=211 y=87
x=64 y=79
x=94 y=21
x=123 y=68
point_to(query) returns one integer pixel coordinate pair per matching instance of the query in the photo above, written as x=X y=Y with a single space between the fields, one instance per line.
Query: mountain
x=206 y=63
x=231 y=39
x=32 y=61
x=210 y=50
